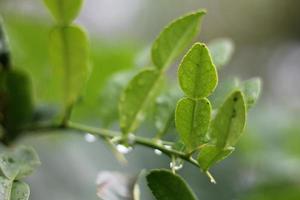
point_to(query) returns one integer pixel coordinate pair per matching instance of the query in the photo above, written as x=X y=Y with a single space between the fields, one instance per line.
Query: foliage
x=208 y=123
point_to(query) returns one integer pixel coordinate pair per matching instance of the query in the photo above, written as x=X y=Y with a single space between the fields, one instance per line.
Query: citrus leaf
x=136 y=98
x=192 y=120
x=230 y=120
x=251 y=89
x=64 y=11
x=70 y=58
x=165 y=186
x=20 y=191
x=18 y=163
x=221 y=50
x=175 y=38
x=197 y=74
x=210 y=155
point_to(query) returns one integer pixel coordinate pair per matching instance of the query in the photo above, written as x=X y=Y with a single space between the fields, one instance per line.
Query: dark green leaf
x=221 y=50
x=168 y=186
x=210 y=155
x=69 y=53
x=251 y=89
x=64 y=11
x=175 y=38
x=229 y=123
x=136 y=98
x=18 y=163
x=192 y=121
x=197 y=74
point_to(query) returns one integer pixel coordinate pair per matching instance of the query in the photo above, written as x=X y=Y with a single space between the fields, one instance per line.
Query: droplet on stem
x=90 y=138
x=123 y=149
x=157 y=152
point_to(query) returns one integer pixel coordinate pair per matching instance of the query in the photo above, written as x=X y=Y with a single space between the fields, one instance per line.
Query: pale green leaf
x=70 y=59
x=168 y=186
x=229 y=123
x=64 y=11
x=175 y=38
x=221 y=50
x=197 y=74
x=210 y=155
x=251 y=89
x=136 y=98
x=20 y=191
x=19 y=163
x=192 y=120
x=5 y=188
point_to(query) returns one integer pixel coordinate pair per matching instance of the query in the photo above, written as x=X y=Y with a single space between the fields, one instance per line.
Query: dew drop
x=157 y=152
x=89 y=138
x=176 y=165
x=123 y=149
x=131 y=138
x=168 y=147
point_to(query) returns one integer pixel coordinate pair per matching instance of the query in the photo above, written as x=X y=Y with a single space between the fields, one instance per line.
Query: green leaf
x=168 y=186
x=5 y=188
x=69 y=53
x=64 y=11
x=197 y=74
x=17 y=102
x=192 y=120
x=19 y=163
x=251 y=89
x=230 y=120
x=20 y=191
x=136 y=98
x=13 y=190
x=210 y=155
x=221 y=50
x=175 y=38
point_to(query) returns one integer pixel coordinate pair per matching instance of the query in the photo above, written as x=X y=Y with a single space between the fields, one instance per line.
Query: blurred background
x=266 y=34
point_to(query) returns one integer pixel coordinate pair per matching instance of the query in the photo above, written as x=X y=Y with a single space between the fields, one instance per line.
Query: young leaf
x=20 y=191
x=18 y=163
x=192 y=120
x=197 y=74
x=64 y=11
x=251 y=89
x=230 y=120
x=70 y=57
x=165 y=186
x=210 y=155
x=175 y=38
x=221 y=51
x=136 y=97
x=18 y=103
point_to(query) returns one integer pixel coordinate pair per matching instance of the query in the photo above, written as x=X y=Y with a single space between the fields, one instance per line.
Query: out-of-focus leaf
x=64 y=11
x=69 y=53
x=4 y=51
x=210 y=155
x=20 y=191
x=192 y=120
x=136 y=98
x=221 y=50
x=174 y=38
x=197 y=74
x=19 y=163
x=251 y=89
x=165 y=186
x=117 y=186
x=110 y=95
x=17 y=102
x=5 y=188
x=164 y=111
x=229 y=123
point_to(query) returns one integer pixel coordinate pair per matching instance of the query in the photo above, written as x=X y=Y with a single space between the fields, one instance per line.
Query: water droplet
x=177 y=164
x=123 y=149
x=168 y=146
x=131 y=138
x=89 y=138
x=157 y=152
